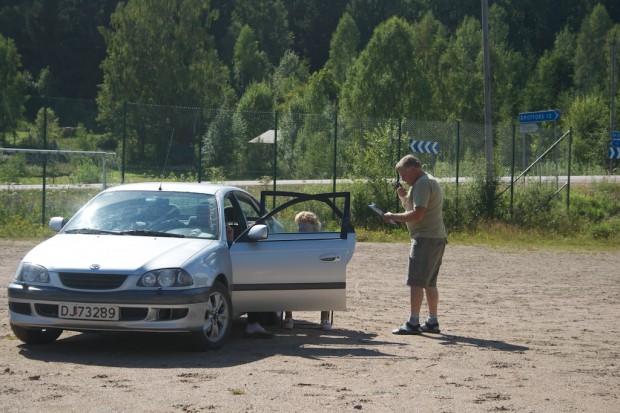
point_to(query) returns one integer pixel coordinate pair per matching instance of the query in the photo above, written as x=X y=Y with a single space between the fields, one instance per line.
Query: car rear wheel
x=218 y=320
x=36 y=335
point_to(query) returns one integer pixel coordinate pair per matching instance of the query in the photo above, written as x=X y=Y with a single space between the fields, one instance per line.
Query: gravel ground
x=522 y=331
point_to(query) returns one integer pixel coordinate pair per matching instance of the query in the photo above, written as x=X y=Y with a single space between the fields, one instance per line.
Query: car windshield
x=148 y=213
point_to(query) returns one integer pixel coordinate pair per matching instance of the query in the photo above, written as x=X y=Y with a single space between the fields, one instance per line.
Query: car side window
x=250 y=211
x=290 y=212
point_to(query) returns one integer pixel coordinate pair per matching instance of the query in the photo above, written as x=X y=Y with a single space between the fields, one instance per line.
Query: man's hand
x=402 y=192
x=388 y=218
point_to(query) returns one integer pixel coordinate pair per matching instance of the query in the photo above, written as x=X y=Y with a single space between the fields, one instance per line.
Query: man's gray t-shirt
x=426 y=192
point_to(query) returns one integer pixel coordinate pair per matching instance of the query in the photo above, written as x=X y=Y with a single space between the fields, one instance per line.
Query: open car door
x=276 y=267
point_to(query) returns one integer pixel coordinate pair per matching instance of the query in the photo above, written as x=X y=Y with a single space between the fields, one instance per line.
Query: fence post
x=44 y=160
x=398 y=152
x=104 y=181
x=400 y=140
x=512 y=170
x=570 y=144
x=458 y=157
x=275 y=151
x=201 y=122
x=335 y=149
x=124 y=139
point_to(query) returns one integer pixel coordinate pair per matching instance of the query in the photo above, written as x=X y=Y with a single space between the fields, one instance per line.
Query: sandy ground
x=523 y=331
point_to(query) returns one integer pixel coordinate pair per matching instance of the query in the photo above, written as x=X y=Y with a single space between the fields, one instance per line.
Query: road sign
x=615 y=134
x=615 y=143
x=530 y=127
x=613 y=153
x=424 y=146
x=543 y=116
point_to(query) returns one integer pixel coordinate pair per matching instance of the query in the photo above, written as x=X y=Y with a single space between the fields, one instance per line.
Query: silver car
x=181 y=258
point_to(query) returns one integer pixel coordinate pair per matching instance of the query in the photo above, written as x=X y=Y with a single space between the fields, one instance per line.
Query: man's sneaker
x=288 y=323
x=326 y=325
x=408 y=329
x=430 y=328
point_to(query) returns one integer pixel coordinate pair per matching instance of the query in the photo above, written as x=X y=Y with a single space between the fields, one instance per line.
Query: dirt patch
x=526 y=331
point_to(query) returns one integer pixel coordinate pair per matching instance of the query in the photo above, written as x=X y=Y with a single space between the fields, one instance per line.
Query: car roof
x=192 y=187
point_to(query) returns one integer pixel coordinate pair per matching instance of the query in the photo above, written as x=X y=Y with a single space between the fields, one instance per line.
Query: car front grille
x=88 y=281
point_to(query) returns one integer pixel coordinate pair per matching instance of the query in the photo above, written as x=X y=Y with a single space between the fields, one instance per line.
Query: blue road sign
x=543 y=116
x=424 y=146
x=613 y=153
x=615 y=134
x=615 y=143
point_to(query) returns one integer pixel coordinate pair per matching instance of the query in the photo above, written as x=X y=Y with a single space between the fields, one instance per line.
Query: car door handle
x=330 y=258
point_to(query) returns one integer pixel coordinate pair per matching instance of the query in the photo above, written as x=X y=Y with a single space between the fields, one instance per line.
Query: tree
x=589 y=116
x=252 y=117
x=289 y=79
x=386 y=80
x=461 y=71
x=508 y=69
x=60 y=35
x=431 y=40
x=11 y=88
x=312 y=24
x=553 y=74
x=343 y=48
x=250 y=64
x=269 y=20
x=219 y=149
x=590 y=63
x=160 y=53
x=369 y=14
x=313 y=143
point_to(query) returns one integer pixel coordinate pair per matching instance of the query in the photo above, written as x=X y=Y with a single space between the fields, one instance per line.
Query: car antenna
x=166 y=163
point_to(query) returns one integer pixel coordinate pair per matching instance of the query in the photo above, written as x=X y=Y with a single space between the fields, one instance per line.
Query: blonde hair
x=307 y=217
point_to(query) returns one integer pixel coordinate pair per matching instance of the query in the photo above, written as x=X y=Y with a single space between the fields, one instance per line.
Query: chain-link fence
x=147 y=141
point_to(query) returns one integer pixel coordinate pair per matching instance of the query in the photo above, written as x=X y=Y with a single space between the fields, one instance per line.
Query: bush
x=87 y=172
x=13 y=168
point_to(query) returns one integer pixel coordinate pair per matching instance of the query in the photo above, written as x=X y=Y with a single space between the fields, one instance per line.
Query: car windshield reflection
x=148 y=213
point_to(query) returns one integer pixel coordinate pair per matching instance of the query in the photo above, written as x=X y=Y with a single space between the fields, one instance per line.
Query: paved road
x=561 y=179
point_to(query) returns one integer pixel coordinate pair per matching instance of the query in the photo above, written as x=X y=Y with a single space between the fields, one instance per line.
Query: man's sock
x=414 y=319
x=432 y=319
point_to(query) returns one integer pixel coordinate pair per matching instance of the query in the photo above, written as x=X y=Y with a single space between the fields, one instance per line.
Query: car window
x=249 y=209
x=311 y=215
x=179 y=213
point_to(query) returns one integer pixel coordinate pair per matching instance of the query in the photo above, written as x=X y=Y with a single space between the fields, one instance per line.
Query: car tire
x=218 y=320
x=36 y=335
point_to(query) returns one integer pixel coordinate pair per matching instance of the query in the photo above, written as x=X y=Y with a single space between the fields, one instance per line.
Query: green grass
x=593 y=224
x=504 y=237
x=494 y=236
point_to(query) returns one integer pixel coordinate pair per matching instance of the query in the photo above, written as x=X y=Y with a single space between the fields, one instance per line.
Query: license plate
x=88 y=311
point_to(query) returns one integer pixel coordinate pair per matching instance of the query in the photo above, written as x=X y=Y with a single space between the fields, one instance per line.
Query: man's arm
x=417 y=214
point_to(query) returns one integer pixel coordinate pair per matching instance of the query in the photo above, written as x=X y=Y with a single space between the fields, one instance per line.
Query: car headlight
x=167 y=277
x=28 y=272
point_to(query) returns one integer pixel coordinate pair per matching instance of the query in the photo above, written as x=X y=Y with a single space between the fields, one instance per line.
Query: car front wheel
x=218 y=320
x=36 y=335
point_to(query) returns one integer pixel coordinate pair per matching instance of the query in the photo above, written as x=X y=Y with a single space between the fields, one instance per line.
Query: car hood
x=114 y=252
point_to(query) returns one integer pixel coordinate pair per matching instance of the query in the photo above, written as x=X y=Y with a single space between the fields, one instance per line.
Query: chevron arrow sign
x=614 y=153
x=424 y=146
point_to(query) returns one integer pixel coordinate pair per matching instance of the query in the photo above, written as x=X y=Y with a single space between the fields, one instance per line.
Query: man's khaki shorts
x=424 y=261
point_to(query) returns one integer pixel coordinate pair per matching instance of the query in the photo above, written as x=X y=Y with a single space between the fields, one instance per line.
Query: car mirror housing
x=56 y=223
x=258 y=232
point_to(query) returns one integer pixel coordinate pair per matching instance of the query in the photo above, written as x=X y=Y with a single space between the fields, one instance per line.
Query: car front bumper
x=149 y=310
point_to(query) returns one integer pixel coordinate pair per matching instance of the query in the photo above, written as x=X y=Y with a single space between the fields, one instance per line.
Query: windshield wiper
x=143 y=232
x=91 y=231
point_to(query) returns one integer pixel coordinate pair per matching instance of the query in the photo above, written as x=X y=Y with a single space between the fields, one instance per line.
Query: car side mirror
x=258 y=232
x=56 y=223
